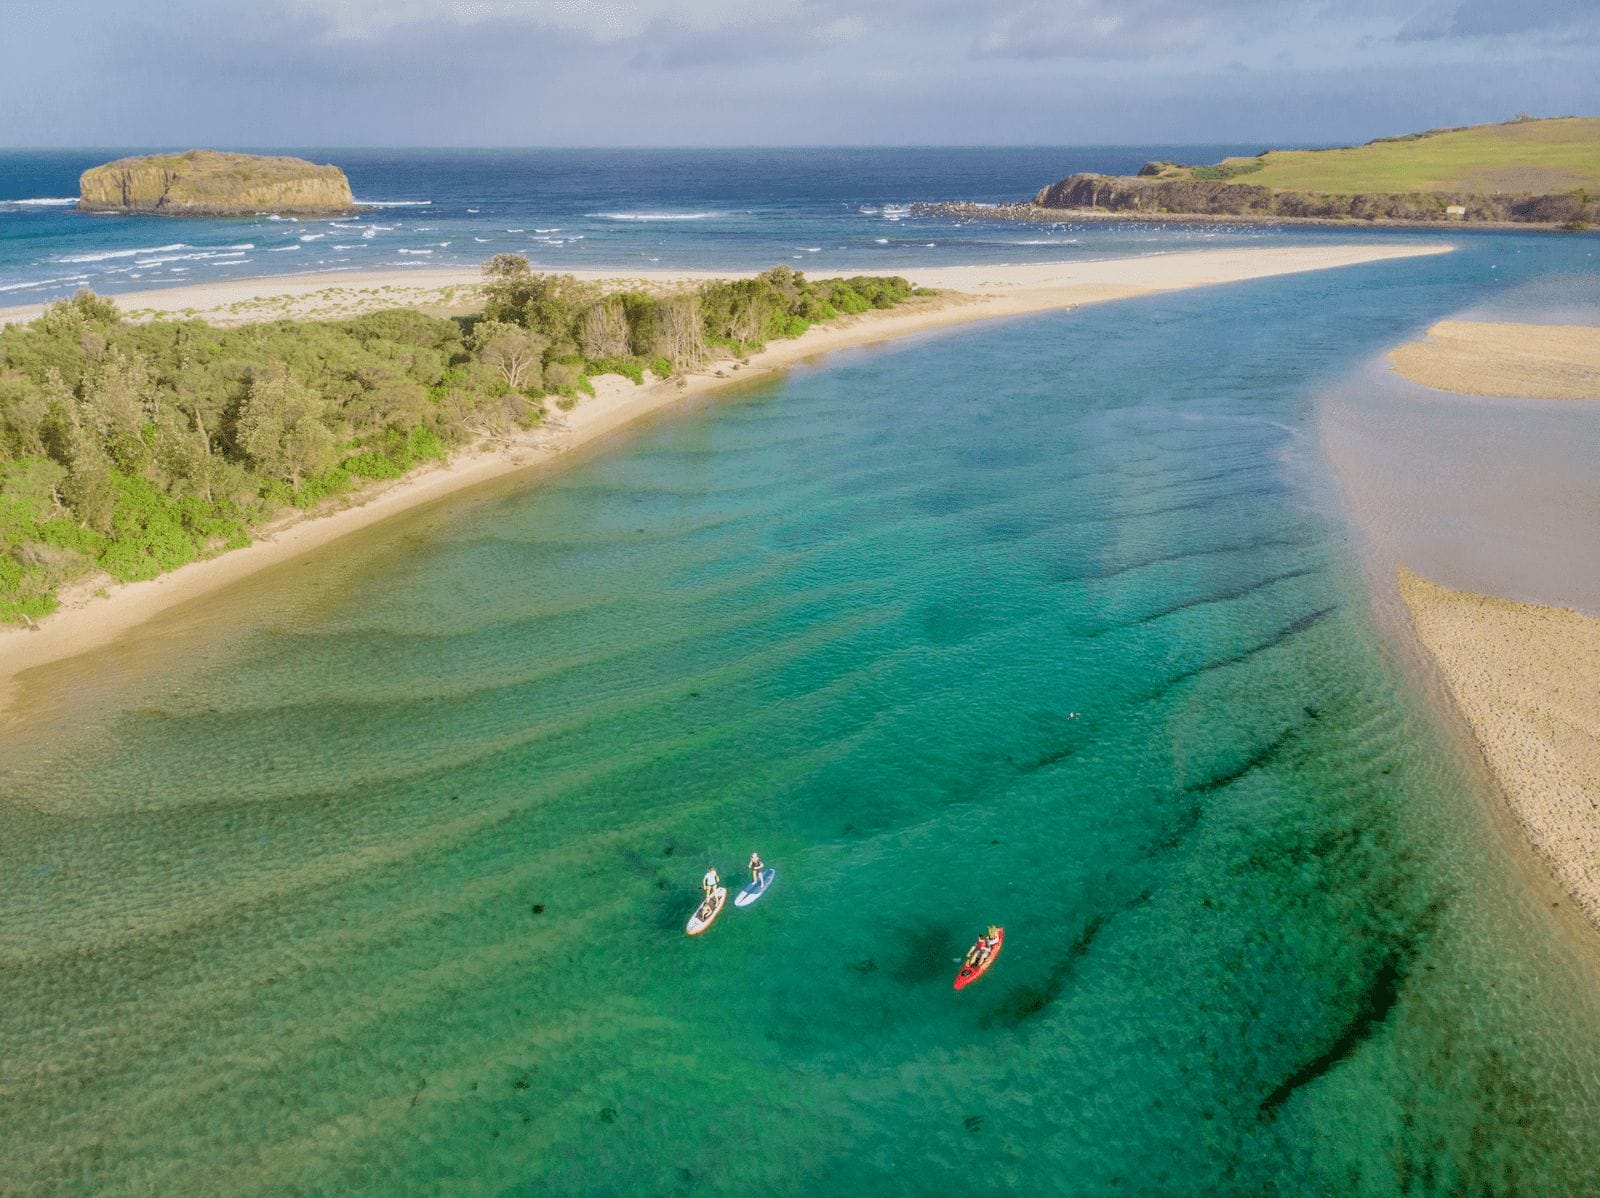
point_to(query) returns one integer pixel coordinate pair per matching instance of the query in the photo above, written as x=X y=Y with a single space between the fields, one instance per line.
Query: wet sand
x=1520 y=361
x=1526 y=678
x=1484 y=511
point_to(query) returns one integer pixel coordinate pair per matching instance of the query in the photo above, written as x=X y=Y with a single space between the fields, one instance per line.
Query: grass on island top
x=1523 y=156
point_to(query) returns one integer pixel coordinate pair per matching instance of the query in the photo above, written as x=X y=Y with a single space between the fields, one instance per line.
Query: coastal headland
x=964 y=295
x=1517 y=174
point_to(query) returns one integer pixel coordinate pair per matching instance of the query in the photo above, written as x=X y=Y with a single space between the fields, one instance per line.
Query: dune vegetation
x=128 y=449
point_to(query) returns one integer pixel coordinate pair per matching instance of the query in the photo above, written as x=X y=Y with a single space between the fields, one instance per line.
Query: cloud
x=685 y=72
x=1502 y=18
x=671 y=46
x=599 y=20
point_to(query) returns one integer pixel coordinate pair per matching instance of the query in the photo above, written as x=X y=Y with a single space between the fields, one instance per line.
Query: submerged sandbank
x=1526 y=678
x=89 y=619
x=1518 y=361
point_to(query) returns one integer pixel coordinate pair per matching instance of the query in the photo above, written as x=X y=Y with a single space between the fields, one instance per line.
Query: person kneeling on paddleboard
x=756 y=866
x=711 y=881
x=979 y=952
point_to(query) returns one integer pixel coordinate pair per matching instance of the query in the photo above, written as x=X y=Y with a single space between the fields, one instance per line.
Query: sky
x=329 y=73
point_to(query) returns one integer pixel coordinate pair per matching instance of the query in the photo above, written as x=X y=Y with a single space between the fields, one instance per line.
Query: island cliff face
x=208 y=183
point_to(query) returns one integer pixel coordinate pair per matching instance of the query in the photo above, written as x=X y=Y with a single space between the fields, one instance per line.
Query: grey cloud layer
x=710 y=71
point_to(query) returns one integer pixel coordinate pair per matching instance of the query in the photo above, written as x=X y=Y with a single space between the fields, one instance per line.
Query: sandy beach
x=1518 y=361
x=1526 y=678
x=1496 y=499
x=90 y=618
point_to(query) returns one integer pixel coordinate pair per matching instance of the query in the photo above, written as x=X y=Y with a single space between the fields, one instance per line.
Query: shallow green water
x=1051 y=624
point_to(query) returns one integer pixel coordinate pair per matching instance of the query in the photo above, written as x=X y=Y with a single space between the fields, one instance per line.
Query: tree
x=680 y=333
x=603 y=332
x=88 y=489
x=118 y=403
x=513 y=351
x=279 y=427
x=84 y=311
x=24 y=411
x=547 y=304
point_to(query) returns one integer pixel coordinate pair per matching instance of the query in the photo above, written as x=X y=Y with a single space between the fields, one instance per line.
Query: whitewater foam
x=107 y=255
x=41 y=283
x=656 y=216
x=394 y=203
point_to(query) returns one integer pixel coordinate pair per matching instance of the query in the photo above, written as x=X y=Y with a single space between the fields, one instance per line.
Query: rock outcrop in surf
x=210 y=183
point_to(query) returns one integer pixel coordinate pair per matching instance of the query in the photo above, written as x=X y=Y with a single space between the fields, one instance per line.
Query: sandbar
x=1526 y=679
x=1516 y=361
x=89 y=618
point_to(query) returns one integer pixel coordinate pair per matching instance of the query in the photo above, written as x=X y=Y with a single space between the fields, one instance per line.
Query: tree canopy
x=132 y=448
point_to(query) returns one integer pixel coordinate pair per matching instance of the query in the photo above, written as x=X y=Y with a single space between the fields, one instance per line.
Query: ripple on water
x=415 y=867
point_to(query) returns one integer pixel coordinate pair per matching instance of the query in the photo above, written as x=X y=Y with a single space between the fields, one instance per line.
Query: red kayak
x=971 y=973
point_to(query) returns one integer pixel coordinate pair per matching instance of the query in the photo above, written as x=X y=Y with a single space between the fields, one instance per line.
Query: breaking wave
x=648 y=216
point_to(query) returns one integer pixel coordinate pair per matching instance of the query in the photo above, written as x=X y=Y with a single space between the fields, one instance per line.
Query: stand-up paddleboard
x=754 y=890
x=971 y=973
x=708 y=911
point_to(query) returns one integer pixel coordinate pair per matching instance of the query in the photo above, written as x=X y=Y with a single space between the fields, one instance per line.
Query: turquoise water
x=370 y=876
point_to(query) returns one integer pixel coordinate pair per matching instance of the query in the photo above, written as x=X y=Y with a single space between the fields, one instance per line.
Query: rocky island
x=210 y=183
x=1522 y=172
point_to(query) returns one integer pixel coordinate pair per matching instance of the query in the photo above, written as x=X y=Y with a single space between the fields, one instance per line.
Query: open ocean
x=369 y=874
x=821 y=210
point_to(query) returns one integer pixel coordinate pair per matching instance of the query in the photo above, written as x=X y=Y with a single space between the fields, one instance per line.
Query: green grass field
x=1529 y=156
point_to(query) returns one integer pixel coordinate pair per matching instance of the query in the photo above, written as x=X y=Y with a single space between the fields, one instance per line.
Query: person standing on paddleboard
x=756 y=866
x=711 y=881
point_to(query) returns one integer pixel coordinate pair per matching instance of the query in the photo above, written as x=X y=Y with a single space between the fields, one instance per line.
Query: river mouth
x=1048 y=625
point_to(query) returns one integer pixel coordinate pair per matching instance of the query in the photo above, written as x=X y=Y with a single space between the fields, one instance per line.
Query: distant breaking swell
x=643 y=216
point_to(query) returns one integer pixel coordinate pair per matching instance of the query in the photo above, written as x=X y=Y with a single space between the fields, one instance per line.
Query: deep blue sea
x=822 y=210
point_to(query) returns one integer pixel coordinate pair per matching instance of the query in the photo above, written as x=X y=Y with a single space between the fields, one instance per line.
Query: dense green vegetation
x=130 y=449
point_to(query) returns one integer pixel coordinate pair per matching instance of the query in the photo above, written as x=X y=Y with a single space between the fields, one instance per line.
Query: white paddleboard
x=707 y=911
x=752 y=891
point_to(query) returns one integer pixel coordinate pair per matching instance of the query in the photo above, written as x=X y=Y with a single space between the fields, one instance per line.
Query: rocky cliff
x=208 y=183
x=1144 y=194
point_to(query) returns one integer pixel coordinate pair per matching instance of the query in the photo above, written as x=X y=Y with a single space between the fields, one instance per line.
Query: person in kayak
x=756 y=866
x=711 y=881
x=983 y=949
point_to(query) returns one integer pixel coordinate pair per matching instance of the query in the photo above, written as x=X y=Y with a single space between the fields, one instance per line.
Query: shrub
x=627 y=367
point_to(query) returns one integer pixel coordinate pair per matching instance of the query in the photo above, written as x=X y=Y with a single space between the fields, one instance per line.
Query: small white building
x=1455 y=211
